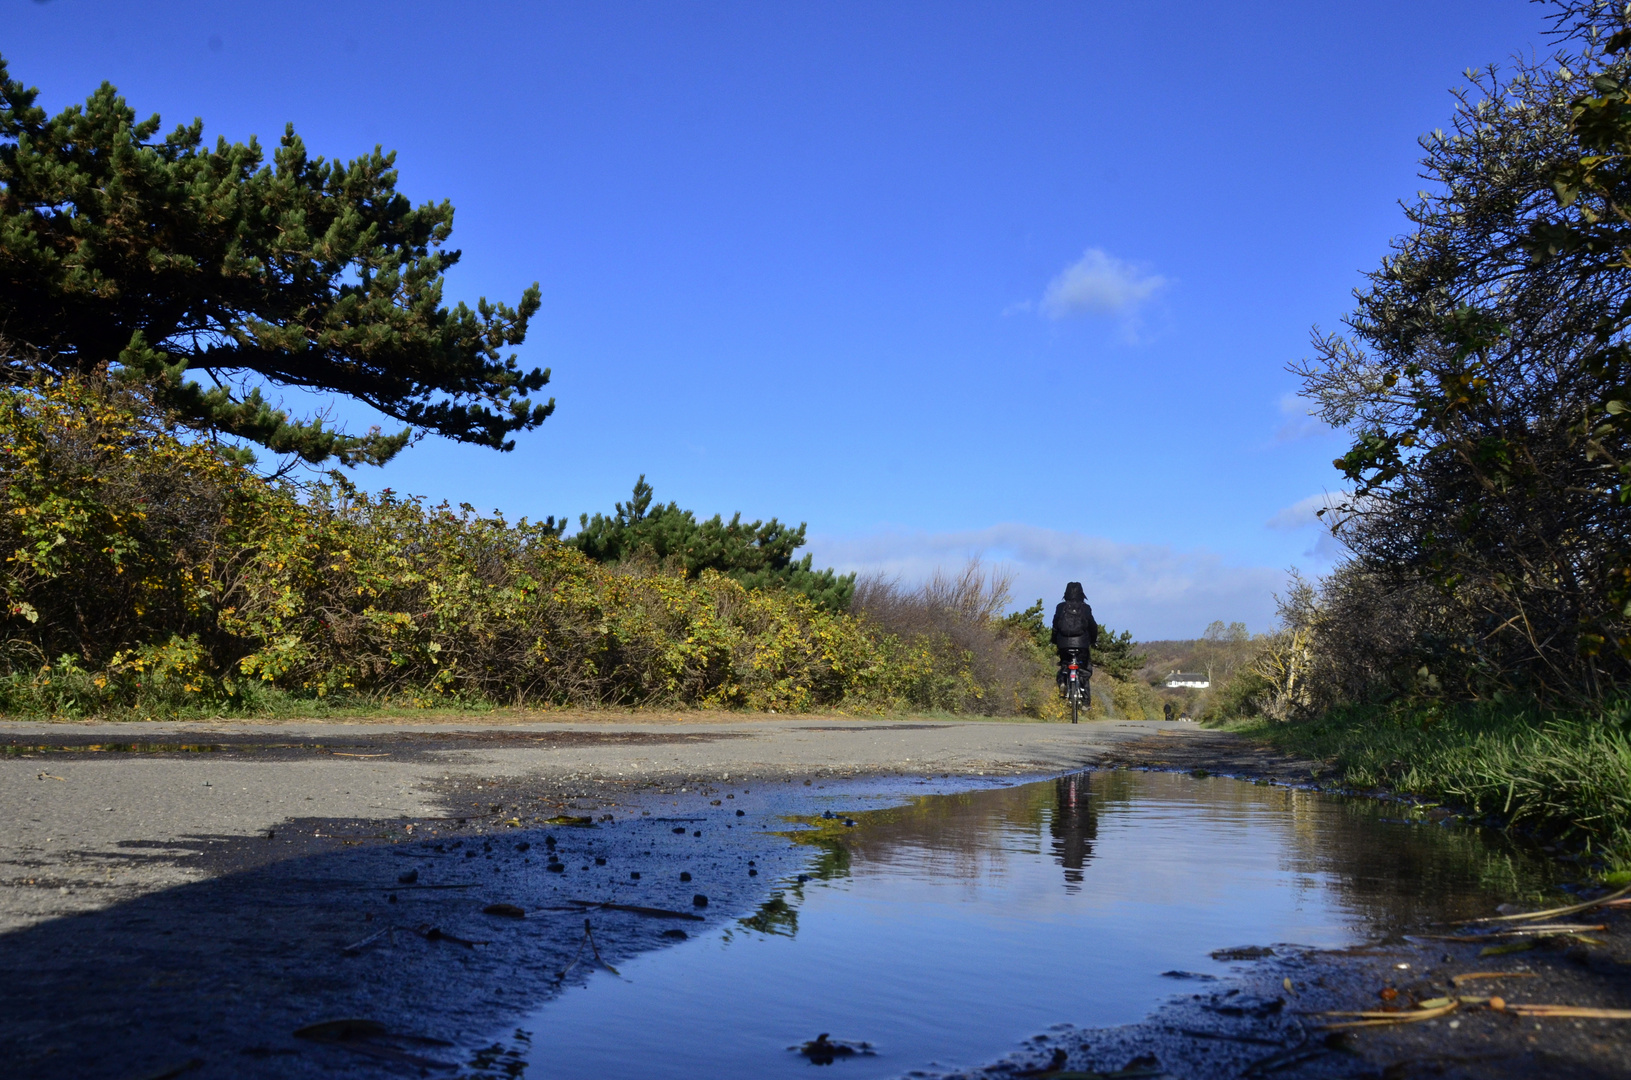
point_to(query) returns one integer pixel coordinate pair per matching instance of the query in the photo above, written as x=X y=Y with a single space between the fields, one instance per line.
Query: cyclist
x=1074 y=631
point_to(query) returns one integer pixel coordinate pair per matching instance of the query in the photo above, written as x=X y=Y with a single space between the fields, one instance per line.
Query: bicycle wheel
x=1075 y=705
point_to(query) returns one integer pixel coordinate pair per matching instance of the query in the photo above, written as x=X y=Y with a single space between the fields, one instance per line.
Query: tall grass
x=1565 y=775
x=966 y=658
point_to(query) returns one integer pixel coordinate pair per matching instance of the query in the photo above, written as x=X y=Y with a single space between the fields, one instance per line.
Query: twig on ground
x=1549 y=912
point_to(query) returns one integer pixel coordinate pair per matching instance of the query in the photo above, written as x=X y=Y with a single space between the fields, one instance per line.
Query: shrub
x=959 y=654
x=147 y=572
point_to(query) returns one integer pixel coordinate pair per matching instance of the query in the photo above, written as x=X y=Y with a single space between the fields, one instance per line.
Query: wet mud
x=329 y=919
x=404 y=745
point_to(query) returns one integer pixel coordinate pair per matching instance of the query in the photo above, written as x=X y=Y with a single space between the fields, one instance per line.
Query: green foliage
x=1565 y=773
x=163 y=258
x=758 y=554
x=1114 y=654
x=150 y=575
x=1032 y=624
x=1480 y=385
x=1242 y=695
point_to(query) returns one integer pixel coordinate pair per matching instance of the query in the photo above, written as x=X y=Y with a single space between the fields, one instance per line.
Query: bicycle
x=1074 y=681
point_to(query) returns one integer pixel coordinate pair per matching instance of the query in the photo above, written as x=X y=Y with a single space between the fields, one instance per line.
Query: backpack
x=1071 y=620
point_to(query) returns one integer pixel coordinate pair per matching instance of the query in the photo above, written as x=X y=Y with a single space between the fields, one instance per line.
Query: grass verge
x=1565 y=776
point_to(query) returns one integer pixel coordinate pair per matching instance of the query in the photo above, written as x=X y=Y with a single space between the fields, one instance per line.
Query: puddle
x=947 y=931
x=29 y=750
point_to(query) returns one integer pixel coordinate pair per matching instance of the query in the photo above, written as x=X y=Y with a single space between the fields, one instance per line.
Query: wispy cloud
x=1300 y=422
x=1151 y=589
x=1099 y=284
x=1305 y=514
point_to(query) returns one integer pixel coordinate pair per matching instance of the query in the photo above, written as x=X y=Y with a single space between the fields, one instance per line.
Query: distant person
x=1074 y=631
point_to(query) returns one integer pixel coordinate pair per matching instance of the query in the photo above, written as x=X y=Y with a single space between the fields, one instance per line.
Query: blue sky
x=939 y=279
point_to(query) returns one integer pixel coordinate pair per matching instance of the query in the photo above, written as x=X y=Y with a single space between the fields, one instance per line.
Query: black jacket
x=1073 y=625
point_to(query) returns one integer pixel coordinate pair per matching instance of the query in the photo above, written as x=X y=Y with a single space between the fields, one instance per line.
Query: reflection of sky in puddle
x=946 y=931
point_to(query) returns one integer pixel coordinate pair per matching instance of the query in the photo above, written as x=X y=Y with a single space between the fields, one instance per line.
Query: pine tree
x=759 y=554
x=158 y=259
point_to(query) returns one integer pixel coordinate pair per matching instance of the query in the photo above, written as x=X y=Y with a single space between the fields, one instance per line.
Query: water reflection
x=949 y=927
x=1073 y=827
x=1390 y=865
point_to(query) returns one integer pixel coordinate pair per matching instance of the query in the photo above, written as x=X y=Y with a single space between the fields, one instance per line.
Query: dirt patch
x=1219 y=753
x=406 y=745
x=1271 y=1020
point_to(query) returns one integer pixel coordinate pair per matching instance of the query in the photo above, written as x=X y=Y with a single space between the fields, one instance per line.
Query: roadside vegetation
x=151 y=574
x=1565 y=776
x=1475 y=645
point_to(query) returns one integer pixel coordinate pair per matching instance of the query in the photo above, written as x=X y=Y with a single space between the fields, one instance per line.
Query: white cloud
x=1300 y=421
x=1305 y=513
x=1150 y=589
x=1099 y=284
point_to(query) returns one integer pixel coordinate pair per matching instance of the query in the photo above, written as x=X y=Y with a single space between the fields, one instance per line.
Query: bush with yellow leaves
x=147 y=573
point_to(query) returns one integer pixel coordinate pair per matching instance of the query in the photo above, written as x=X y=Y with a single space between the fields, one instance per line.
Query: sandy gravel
x=80 y=814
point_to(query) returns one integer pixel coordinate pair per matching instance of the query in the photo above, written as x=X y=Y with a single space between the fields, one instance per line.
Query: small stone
x=697 y=833
x=556 y=867
x=752 y=872
x=634 y=875
x=741 y=813
x=699 y=900
x=679 y=830
x=600 y=860
x=407 y=879
x=391 y=899
x=523 y=846
x=685 y=875
x=677 y=935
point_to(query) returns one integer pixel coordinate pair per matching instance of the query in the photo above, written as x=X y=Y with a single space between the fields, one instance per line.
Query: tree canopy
x=208 y=272
x=759 y=554
x=1483 y=383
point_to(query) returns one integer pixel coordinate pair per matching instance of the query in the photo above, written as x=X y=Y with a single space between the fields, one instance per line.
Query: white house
x=1188 y=679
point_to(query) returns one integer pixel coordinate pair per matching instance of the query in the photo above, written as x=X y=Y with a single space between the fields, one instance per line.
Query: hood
x=1073 y=591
